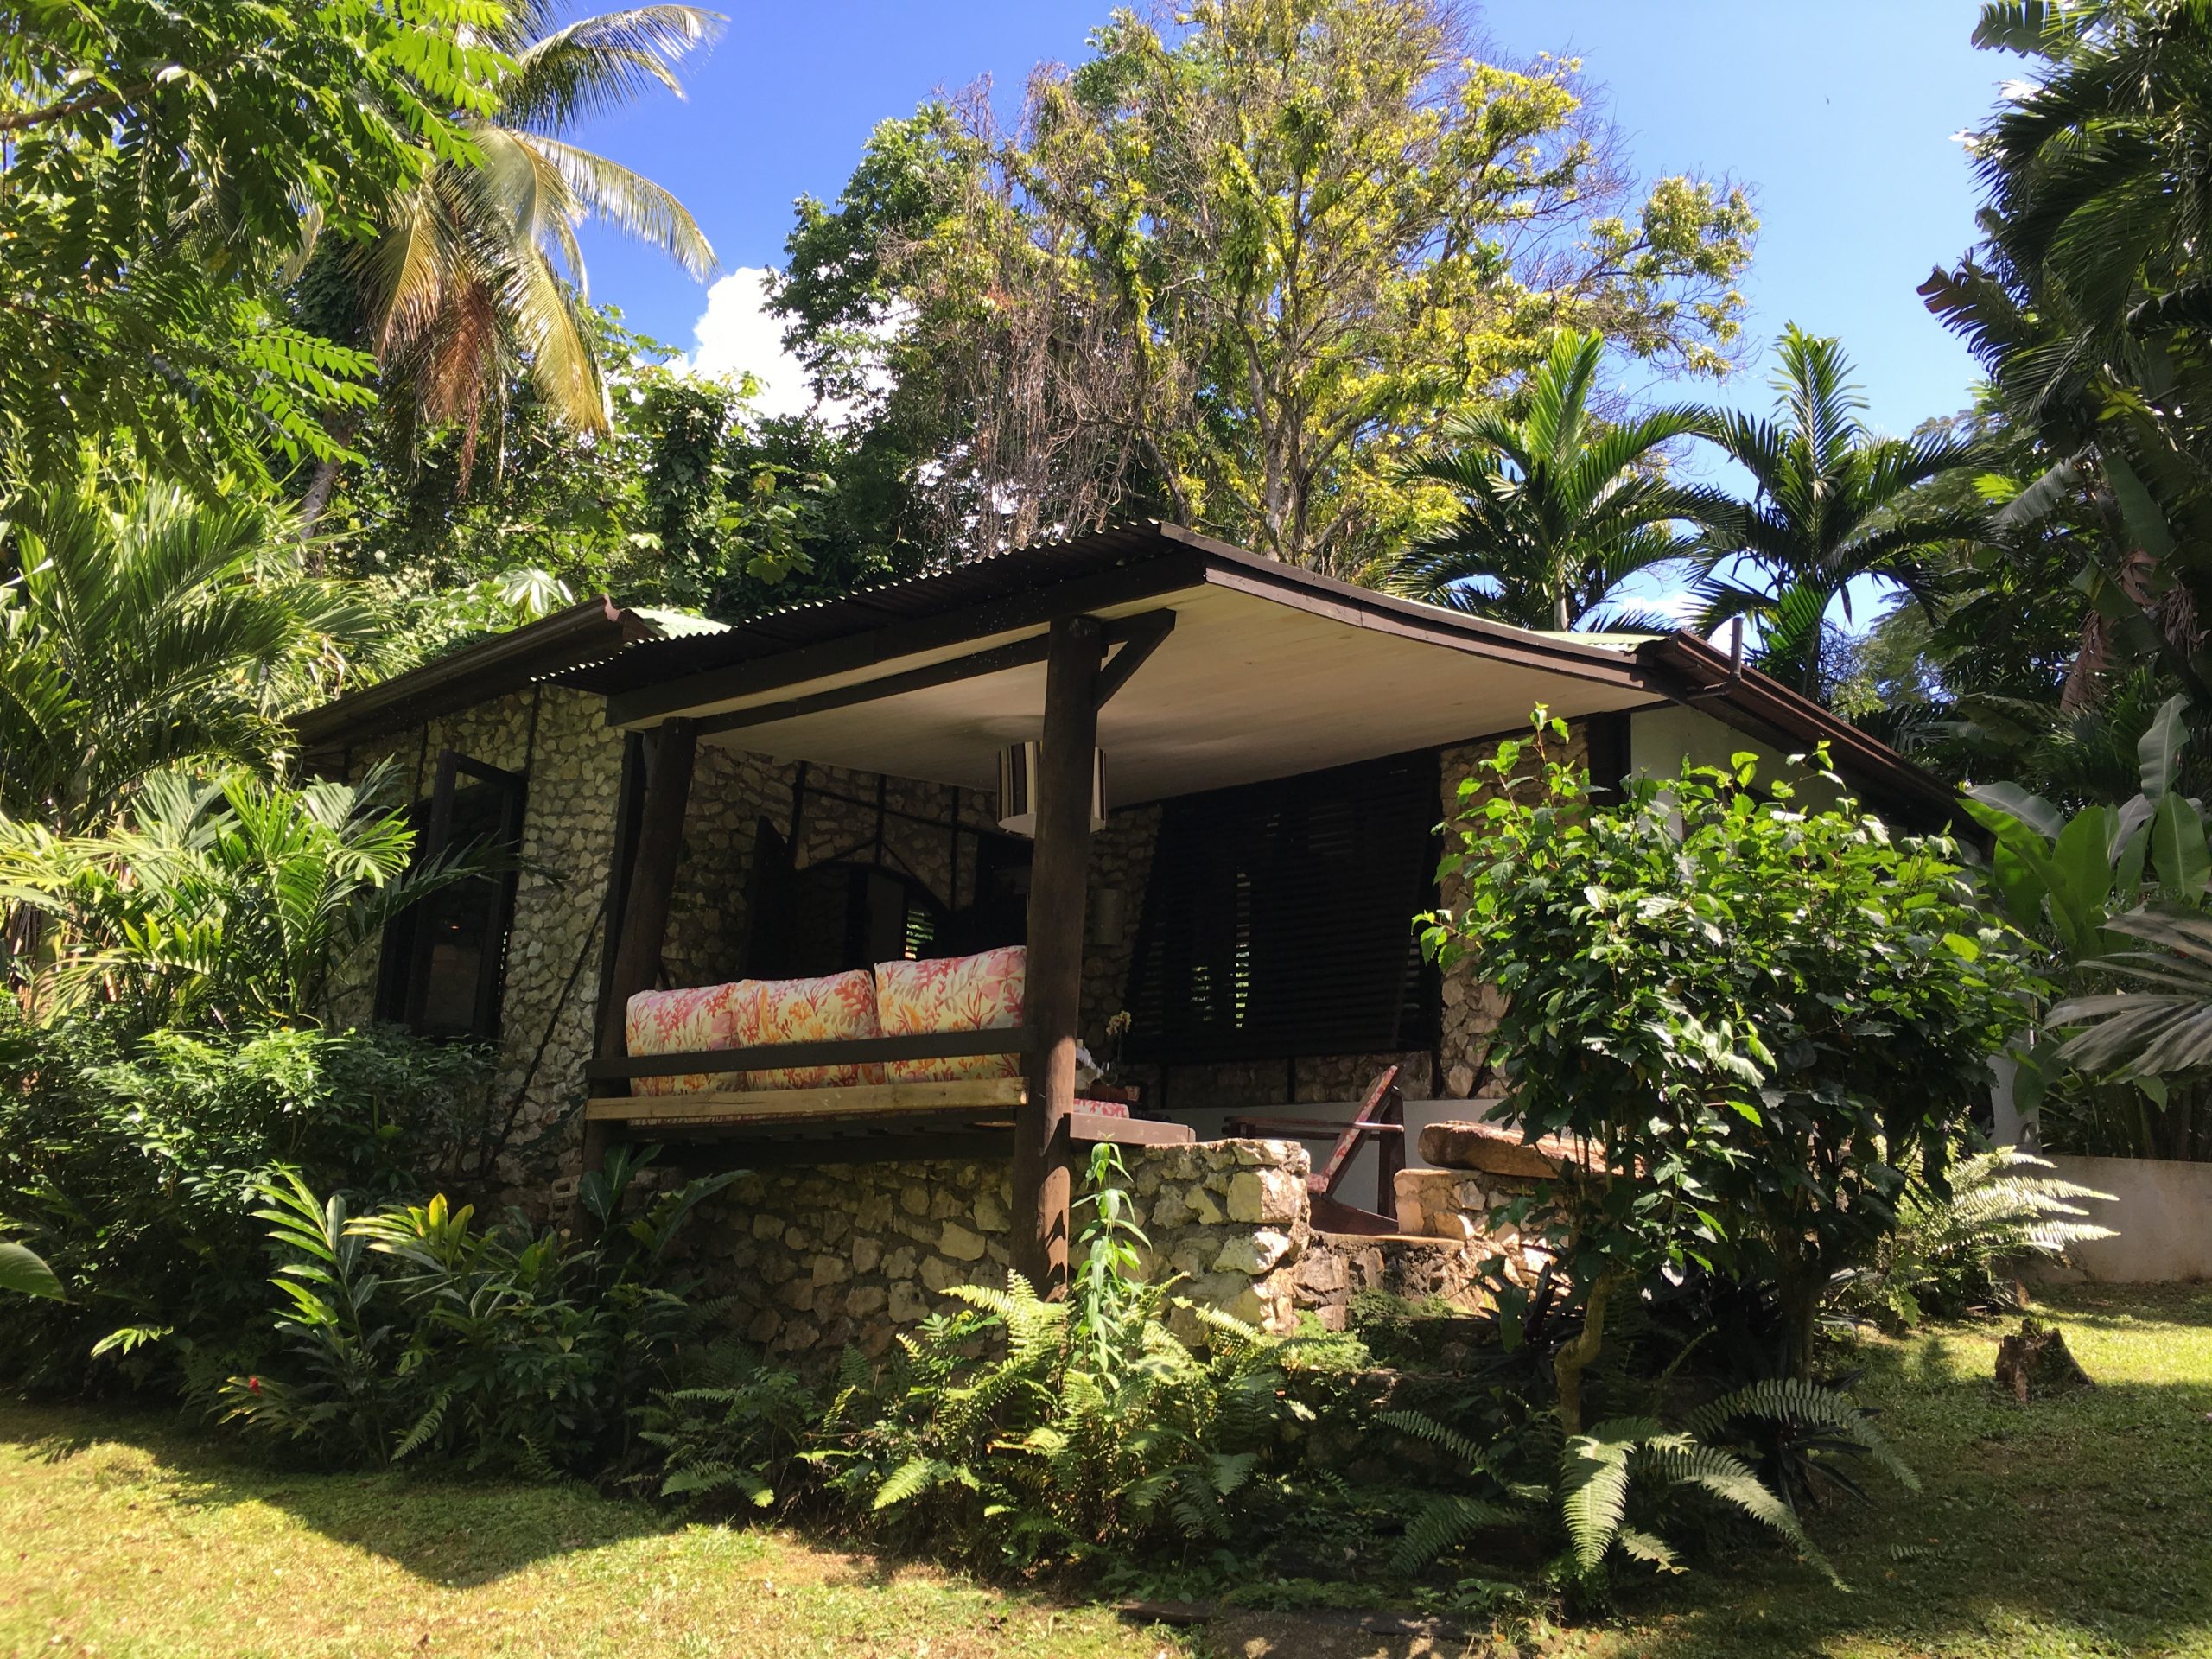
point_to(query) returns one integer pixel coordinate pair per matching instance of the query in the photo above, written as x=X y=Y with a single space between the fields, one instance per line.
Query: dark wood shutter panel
x=1278 y=919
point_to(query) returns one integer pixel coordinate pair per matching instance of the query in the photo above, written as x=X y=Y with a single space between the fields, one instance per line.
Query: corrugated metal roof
x=864 y=610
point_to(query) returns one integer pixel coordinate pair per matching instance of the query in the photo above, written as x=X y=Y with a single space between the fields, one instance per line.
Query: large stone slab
x=1453 y=1144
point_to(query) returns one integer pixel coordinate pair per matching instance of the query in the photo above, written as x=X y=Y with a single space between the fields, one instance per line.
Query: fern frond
x=1443 y=1522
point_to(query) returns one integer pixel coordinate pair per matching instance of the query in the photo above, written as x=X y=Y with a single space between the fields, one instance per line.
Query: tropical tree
x=1834 y=502
x=160 y=162
x=141 y=627
x=1557 y=508
x=1238 y=270
x=475 y=276
x=2086 y=302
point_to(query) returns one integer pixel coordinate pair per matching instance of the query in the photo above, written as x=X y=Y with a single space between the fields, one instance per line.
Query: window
x=1278 y=919
x=444 y=959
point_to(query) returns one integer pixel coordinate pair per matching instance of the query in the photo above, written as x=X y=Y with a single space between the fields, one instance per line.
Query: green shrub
x=1757 y=1016
x=413 y=1331
x=737 y=1429
x=1950 y=1247
x=1020 y=1430
x=132 y=1163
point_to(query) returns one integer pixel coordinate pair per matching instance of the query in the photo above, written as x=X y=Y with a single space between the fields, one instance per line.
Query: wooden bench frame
x=984 y=1105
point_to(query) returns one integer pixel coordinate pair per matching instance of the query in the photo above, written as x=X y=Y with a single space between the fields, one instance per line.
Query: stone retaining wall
x=815 y=1259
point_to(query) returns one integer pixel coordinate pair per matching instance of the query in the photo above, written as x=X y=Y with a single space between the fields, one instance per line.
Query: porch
x=1196 y=672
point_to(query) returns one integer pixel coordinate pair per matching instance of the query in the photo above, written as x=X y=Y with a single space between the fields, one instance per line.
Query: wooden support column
x=642 y=922
x=1059 y=873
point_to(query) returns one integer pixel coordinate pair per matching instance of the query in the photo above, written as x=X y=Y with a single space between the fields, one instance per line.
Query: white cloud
x=738 y=334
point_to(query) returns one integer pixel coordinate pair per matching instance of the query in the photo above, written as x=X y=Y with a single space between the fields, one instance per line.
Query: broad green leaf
x=2177 y=848
x=2159 y=749
x=23 y=1271
x=2013 y=802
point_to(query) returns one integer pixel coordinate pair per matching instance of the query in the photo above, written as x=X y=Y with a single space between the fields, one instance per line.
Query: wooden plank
x=784 y=1104
x=838 y=1051
x=1128 y=1131
x=1058 y=879
x=1019 y=654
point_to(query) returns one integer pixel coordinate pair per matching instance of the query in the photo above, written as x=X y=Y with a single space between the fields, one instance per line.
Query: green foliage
x=1754 y=1015
x=143 y=628
x=1557 y=509
x=2126 y=1078
x=1026 y=1431
x=230 y=902
x=162 y=162
x=129 y=1163
x=1949 y=1249
x=1176 y=288
x=1619 y=1485
x=735 y=1431
x=24 y=1271
x=414 y=1332
x=1833 y=503
x=1600 y=1470
x=474 y=278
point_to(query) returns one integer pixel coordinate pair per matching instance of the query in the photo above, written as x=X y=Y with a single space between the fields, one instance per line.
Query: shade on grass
x=2074 y=1527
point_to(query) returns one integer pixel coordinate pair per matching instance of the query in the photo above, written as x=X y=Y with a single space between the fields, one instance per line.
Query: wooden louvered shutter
x=1278 y=919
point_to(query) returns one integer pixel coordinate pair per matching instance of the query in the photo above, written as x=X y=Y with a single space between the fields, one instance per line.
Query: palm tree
x=476 y=274
x=1556 y=508
x=141 y=627
x=1834 y=502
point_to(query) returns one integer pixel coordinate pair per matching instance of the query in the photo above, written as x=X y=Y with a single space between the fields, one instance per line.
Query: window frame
x=403 y=976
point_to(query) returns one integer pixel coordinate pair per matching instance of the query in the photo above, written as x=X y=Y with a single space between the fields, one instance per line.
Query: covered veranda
x=1190 y=666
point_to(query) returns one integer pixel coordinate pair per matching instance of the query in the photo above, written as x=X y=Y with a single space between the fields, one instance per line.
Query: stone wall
x=559 y=739
x=815 y=1259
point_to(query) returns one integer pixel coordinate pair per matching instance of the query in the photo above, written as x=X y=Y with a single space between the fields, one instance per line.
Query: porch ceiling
x=1254 y=681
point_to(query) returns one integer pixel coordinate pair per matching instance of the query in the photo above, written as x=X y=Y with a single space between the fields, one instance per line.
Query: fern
x=1803 y=1406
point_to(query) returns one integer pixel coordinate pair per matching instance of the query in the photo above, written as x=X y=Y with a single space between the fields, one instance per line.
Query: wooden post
x=644 y=920
x=1059 y=872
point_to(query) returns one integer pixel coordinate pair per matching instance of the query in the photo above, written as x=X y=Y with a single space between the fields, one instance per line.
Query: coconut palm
x=1557 y=509
x=476 y=274
x=141 y=627
x=1834 y=501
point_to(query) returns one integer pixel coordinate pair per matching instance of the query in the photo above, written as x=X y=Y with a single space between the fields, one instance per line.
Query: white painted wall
x=2162 y=1211
x=1659 y=739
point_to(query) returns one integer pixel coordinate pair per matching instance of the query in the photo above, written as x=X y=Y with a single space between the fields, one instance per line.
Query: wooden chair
x=1381 y=1117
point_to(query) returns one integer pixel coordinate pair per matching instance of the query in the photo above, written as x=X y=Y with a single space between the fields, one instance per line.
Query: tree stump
x=2035 y=1361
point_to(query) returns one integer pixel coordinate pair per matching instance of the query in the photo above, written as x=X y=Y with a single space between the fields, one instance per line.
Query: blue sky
x=1842 y=123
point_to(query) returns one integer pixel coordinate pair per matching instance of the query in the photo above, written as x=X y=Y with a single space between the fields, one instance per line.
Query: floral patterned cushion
x=680 y=1022
x=980 y=993
x=807 y=1011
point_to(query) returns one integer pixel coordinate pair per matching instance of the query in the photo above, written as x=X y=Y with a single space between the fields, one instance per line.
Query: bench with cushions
x=948 y=1032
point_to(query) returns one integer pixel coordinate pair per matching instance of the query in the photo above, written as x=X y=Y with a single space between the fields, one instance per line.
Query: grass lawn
x=2075 y=1527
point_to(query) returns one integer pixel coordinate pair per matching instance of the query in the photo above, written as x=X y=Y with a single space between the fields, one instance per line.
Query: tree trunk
x=1580 y=1354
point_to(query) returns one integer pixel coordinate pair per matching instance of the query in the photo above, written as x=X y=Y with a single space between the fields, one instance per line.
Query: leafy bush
x=1619 y=1485
x=131 y=1164
x=1030 y=1430
x=227 y=902
x=1754 y=1015
x=413 y=1331
x=1948 y=1247
x=737 y=1428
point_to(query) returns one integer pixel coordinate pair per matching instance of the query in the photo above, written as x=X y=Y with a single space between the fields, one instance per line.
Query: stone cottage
x=1194 y=793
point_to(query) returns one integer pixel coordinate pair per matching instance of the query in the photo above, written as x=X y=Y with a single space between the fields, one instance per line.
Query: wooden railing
x=837 y=1050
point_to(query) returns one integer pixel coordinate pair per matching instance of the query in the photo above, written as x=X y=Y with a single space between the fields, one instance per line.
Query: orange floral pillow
x=682 y=1022
x=980 y=993
x=807 y=1011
